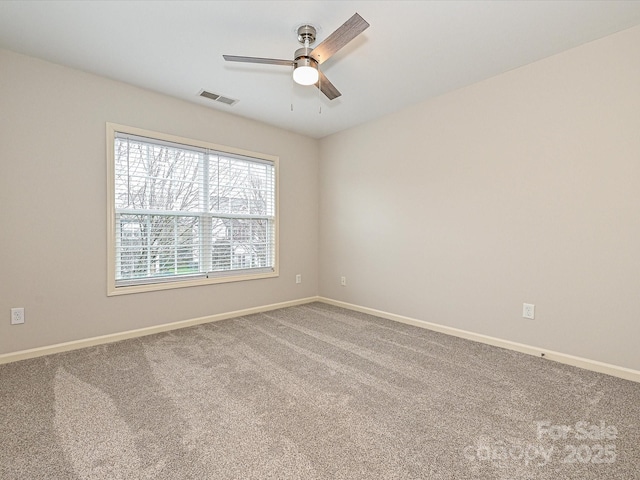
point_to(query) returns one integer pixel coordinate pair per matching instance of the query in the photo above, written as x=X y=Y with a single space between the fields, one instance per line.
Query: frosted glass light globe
x=305 y=75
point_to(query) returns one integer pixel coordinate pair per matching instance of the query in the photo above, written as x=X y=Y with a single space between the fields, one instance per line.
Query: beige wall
x=53 y=205
x=521 y=188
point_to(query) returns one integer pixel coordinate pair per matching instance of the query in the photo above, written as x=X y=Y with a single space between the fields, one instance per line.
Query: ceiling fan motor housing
x=303 y=58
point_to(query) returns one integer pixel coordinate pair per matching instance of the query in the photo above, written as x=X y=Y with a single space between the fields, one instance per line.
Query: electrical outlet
x=298 y=278
x=17 y=316
x=528 y=311
x=343 y=281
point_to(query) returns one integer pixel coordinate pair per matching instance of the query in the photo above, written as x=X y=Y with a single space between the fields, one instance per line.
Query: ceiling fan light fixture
x=306 y=71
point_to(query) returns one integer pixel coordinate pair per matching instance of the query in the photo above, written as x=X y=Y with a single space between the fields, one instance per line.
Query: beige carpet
x=312 y=392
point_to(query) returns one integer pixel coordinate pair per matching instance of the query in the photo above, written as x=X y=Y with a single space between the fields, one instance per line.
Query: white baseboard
x=141 y=332
x=593 y=365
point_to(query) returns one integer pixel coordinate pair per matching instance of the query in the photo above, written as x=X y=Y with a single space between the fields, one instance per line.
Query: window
x=184 y=212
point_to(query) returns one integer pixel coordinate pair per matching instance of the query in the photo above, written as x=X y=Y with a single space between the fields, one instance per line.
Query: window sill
x=112 y=290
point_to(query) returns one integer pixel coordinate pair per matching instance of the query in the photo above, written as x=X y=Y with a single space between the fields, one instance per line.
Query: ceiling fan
x=306 y=60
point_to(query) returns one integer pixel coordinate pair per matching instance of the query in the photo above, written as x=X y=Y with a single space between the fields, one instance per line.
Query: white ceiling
x=412 y=51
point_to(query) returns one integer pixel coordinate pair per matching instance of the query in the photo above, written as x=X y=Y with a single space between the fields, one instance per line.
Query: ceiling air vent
x=217 y=98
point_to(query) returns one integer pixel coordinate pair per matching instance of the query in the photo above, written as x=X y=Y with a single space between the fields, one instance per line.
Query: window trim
x=112 y=289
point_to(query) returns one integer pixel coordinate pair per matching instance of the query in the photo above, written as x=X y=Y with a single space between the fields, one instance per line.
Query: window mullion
x=205 y=219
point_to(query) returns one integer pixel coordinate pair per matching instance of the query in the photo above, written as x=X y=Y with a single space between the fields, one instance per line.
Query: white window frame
x=113 y=288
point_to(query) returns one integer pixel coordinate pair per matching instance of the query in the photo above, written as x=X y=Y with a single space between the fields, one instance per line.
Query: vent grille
x=217 y=98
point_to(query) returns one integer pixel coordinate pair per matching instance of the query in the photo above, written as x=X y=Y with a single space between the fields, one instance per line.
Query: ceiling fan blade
x=338 y=39
x=269 y=61
x=327 y=87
